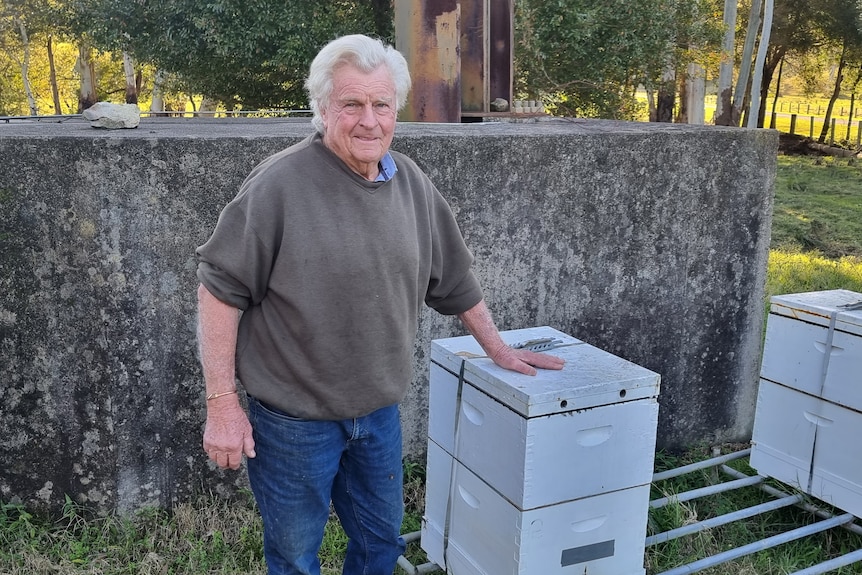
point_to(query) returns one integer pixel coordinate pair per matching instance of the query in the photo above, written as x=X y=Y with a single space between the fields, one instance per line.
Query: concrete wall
x=649 y=241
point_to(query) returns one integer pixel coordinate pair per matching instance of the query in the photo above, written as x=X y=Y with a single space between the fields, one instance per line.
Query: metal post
x=428 y=33
x=487 y=40
x=501 y=45
x=475 y=55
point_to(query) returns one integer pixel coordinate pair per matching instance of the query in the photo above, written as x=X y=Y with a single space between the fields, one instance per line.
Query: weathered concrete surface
x=649 y=241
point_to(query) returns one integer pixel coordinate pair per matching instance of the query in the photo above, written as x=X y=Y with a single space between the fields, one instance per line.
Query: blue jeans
x=302 y=465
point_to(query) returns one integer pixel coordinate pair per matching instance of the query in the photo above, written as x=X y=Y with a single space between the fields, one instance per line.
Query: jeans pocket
x=271 y=411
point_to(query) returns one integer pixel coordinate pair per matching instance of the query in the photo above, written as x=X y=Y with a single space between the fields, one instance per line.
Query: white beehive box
x=536 y=442
x=810 y=397
x=488 y=535
x=795 y=352
x=809 y=443
x=531 y=418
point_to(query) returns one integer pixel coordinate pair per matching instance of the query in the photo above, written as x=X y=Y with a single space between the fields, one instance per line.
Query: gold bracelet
x=221 y=393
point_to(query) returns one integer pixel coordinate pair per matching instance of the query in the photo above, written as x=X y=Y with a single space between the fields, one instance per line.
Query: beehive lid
x=818 y=308
x=590 y=378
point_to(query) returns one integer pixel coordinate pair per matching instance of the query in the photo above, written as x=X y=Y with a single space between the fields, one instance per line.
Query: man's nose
x=368 y=117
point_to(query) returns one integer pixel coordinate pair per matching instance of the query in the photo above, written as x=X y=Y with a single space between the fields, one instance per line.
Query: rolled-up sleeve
x=453 y=287
x=234 y=264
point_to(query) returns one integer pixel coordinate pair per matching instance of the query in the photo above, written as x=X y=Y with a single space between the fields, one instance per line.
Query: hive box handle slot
x=468 y=498
x=834 y=349
x=589 y=524
x=817 y=419
x=594 y=436
x=472 y=414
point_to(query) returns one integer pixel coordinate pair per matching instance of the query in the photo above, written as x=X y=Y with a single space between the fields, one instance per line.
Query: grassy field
x=816 y=244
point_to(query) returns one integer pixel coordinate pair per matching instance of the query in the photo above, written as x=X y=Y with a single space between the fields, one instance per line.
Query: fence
x=806 y=118
x=841 y=130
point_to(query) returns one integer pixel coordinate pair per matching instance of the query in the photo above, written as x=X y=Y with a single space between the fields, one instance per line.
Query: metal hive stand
x=737 y=480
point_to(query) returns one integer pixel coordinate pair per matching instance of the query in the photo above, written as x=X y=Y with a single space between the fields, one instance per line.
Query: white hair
x=361 y=52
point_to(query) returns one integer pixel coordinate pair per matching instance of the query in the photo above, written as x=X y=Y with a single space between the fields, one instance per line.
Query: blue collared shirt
x=387 y=168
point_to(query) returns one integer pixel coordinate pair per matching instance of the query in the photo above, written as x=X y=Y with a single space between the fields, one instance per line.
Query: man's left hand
x=525 y=361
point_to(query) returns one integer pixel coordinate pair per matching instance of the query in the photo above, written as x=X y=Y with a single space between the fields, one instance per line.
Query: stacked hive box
x=547 y=474
x=808 y=422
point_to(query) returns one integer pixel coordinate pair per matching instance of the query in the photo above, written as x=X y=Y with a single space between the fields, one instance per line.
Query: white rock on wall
x=113 y=116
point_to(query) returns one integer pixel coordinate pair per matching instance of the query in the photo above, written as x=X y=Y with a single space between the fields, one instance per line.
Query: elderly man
x=330 y=249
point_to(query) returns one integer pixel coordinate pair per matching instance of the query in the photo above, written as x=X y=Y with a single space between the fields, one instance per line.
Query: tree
x=587 y=58
x=55 y=91
x=253 y=54
x=724 y=102
x=841 y=21
x=793 y=32
x=19 y=21
x=756 y=119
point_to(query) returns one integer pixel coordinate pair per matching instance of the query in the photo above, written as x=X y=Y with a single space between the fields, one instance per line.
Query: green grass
x=816 y=245
x=818 y=206
x=209 y=535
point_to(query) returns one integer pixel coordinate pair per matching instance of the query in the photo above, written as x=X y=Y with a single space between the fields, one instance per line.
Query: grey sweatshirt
x=331 y=271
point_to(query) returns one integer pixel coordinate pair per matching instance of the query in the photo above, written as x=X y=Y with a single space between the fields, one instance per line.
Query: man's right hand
x=227 y=434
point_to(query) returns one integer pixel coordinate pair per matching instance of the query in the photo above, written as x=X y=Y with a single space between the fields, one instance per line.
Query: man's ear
x=323 y=116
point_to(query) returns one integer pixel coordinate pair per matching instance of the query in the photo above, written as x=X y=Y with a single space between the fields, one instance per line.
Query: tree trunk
x=682 y=113
x=158 y=102
x=696 y=93
x=777 y=87
x=742 y=82
x=87 y=73
x=724 y=105
x=839 y=77
x=131 y=84
x=772 y=62
x=651 y=106
x=755 y=120
x=55 y=91
x=666 y=97
x=850 y=117
x=25 y=66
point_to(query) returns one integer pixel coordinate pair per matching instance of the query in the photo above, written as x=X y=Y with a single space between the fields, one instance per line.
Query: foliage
x=588 y=57
x=20 y=20
x=12 y=101
x=210 y=535
x=254 y=54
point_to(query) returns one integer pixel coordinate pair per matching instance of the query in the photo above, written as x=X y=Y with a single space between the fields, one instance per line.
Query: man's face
x=359 y=119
